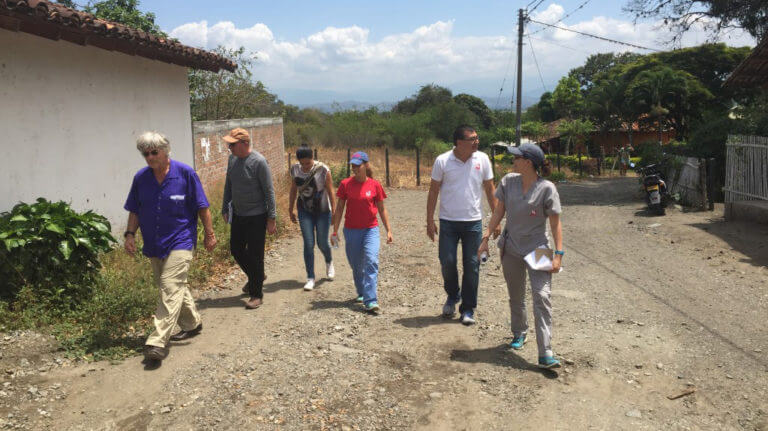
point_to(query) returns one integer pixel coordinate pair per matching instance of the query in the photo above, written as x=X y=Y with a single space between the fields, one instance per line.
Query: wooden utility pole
x=520 y=26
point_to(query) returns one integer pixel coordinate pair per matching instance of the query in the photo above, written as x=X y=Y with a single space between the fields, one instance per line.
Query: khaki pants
x=176 y=304
x=541 y=284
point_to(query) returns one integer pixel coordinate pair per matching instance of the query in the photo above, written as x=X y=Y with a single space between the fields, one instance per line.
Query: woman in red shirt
x=364 y=198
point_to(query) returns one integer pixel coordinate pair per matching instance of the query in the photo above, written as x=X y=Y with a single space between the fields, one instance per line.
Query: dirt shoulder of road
x=647 y=309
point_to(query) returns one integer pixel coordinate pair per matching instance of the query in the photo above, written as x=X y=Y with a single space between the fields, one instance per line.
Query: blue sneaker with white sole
x=468 y=317
x=517 y=342
x=548 y=362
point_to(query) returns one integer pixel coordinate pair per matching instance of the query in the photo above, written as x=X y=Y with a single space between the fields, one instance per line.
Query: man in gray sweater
x=249 y=194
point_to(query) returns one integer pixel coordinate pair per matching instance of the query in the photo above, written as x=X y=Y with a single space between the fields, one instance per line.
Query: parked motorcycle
x=655 y=188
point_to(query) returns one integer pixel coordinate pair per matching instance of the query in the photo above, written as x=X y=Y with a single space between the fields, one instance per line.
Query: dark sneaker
x=183 y=335
x=468 y=317
x=548 y=362
x=449 y=309
x=154 y=353
x=517 y=342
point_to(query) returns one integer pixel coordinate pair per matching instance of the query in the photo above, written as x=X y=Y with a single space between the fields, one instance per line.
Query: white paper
x=229 y=212
x=543 y=263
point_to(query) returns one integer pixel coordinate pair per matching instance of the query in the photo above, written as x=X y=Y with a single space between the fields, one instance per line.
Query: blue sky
x=324 y=51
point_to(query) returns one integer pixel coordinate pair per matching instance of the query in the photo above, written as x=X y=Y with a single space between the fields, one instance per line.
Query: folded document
x=540 y=259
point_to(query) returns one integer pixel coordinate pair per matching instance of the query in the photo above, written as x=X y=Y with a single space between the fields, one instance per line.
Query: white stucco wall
x=70 y=116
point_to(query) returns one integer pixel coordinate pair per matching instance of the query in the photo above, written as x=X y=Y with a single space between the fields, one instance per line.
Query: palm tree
x=658 y=90
x=575 y=132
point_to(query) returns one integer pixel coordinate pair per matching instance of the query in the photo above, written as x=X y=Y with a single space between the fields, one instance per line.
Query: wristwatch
x=559 y=252
x=125 y=235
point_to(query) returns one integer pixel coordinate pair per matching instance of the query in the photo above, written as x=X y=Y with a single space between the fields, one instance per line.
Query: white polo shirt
x=461 y=188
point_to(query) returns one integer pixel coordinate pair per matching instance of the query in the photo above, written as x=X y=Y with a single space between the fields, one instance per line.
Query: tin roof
x=54 y=21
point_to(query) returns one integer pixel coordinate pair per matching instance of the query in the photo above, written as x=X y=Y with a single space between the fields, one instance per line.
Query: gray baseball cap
x=531 y=152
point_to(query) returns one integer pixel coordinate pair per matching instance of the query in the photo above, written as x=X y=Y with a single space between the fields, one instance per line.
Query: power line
x=530 y=44
x=564 y=17
x=534 y=8
x=561 y=46
x=503 y=81
x=594 y=36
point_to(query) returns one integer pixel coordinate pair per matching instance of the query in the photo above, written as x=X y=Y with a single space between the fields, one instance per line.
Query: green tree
x=125 y=12
x=567 y=99
x=666 y=93
x=598 y=64
x=716 y=15
x=575 y=133
x=428 y=96
x=226 y=95
x=536 y=130
x=478 y=107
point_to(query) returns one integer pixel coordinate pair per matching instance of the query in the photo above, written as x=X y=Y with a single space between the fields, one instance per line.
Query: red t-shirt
x=361 y=202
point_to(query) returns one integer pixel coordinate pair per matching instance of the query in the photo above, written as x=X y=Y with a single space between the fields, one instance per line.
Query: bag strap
x=311 y=175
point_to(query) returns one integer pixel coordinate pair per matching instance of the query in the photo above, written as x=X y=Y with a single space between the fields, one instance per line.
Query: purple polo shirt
x=168 y=211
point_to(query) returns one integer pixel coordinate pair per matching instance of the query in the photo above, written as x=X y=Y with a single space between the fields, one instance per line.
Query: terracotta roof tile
x=54 y=21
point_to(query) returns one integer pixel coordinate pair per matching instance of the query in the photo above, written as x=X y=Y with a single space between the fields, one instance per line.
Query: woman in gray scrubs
x=528 y=200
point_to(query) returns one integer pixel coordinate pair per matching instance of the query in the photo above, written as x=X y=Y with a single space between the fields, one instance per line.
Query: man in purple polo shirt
x=165 y=199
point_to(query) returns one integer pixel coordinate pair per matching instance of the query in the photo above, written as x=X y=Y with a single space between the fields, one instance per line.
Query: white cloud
x=346 y=59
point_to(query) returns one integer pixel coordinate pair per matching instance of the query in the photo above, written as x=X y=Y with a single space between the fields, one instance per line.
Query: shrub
x=557 y=176
x=50 y=248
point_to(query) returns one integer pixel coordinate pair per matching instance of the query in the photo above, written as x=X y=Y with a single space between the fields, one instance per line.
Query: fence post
x=386 y=161
x=418 y=167
x=348 y=157
x=289 y=161
x=711 y=183
x=703 y=183
x=493 y=160
x=599 y=162
x=580 y=172
x=558 y=162
x=315 y=153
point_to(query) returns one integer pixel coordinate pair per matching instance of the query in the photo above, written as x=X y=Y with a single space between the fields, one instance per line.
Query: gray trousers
x=541 y=284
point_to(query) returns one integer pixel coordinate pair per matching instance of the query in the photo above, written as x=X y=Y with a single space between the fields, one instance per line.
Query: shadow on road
x=286 y=285
x=499 y=355
x=424 y=321
x=600 y=191
x=750 y=239
x=223 y=302
x=328 y=304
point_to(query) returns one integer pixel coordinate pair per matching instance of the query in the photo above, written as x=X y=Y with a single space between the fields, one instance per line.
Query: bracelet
x=128 y=232
x=559 y=252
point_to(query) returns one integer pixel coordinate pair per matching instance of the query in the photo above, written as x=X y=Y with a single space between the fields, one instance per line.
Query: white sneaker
x=329 y=271
x=310 y=284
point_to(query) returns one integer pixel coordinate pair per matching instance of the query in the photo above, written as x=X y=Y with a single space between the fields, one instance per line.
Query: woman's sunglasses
x=147 y=153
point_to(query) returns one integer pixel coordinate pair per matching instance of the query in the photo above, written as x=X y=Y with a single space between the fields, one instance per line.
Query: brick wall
x=212 y=153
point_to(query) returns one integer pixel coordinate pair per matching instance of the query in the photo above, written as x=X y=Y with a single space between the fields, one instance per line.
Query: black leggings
x=246 y=243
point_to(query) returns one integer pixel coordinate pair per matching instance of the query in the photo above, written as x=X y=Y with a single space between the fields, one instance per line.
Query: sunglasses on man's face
x=471 y=138
x=147 y=153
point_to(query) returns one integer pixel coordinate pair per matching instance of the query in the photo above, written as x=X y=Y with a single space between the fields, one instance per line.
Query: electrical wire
x=503 y=81
x=564 y=17
x=530 y=44
x=561 y=46
x=594 y=36
x=534 y=7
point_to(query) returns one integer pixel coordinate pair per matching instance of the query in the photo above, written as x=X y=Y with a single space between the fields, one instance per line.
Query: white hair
x=153 y=141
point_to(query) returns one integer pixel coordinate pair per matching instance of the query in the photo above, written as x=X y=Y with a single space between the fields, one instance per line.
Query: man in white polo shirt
x=460 y=176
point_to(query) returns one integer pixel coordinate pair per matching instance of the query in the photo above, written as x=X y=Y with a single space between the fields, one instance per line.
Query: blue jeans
x=362 y=246
x=470 y=233
x=310 y=223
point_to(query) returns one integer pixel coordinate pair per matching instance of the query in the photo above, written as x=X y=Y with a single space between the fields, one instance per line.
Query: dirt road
x=646 y=308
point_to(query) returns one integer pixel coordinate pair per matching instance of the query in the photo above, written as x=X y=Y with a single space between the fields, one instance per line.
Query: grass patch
x=114 y=321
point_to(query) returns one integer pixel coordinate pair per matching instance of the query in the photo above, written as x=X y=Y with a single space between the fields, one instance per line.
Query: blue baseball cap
x=358 y=158
x=531 y=152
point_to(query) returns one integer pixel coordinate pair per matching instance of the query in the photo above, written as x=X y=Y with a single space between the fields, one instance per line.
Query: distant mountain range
x=505 y=103
x=384 y=100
